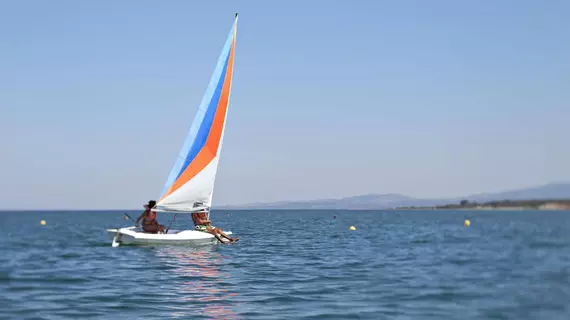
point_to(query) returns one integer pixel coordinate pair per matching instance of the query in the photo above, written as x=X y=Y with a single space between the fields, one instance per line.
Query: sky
x=329 y=98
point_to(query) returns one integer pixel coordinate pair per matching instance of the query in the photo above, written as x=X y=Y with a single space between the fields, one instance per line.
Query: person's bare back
x=149 y=222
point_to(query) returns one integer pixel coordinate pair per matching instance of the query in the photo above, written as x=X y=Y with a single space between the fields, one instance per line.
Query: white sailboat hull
x=135 y=236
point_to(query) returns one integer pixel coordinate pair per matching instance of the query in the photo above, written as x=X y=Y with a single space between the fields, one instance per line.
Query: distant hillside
x=370 y=201
x=546 y=192
x=387 y=201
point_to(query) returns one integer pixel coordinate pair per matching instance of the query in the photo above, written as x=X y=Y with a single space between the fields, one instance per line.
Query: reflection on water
x=200 y=287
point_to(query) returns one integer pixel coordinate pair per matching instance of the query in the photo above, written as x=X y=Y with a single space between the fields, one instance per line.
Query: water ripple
x=293 y=265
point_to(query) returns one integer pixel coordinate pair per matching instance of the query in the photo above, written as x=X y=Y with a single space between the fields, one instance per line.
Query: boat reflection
x=199 y=286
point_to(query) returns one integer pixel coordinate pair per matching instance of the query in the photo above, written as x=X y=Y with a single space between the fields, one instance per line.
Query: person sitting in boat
x=201 y=223
x=148 y=217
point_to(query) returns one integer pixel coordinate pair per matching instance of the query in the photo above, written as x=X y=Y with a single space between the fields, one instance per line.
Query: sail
x=190 y=183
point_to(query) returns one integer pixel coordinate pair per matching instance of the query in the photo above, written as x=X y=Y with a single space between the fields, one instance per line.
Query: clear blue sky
x=330 y=98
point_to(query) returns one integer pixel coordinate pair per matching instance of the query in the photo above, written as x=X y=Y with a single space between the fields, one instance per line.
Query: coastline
x=507 y=205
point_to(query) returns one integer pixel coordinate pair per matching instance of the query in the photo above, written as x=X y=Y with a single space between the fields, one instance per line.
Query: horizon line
x=242 y=206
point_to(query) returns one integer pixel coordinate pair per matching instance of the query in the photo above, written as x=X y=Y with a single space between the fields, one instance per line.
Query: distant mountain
x=386 y=201
x=547 y=192
x=369 y=201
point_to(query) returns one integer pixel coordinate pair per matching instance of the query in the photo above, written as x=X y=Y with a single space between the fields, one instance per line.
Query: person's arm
x=203 y=221
x=140 y=217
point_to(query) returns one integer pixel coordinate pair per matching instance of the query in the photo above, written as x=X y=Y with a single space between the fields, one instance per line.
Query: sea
x=291 y=265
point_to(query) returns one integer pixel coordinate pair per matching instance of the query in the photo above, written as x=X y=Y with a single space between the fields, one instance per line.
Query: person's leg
x=219 y=239
x=213 y=232
x=150 y=228
x=220 y=232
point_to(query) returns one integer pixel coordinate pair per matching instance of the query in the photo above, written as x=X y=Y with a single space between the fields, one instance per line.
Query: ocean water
x=292 y=265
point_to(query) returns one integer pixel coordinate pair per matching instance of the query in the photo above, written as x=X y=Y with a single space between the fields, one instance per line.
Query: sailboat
x=190 y=184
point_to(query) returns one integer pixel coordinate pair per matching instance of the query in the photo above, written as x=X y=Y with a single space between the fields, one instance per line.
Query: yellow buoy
x=467 y=223
x=352 y=228
x=43 y=222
